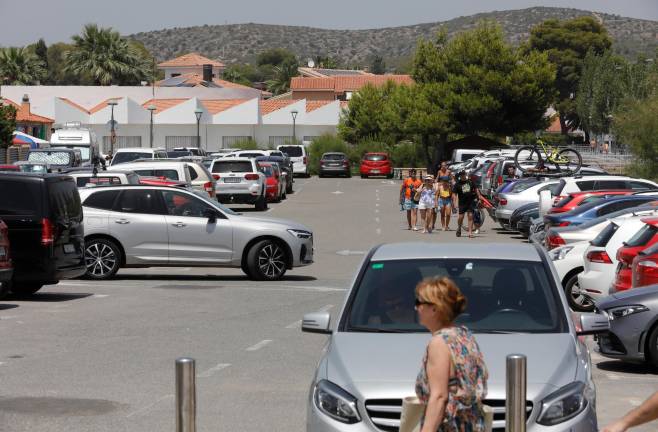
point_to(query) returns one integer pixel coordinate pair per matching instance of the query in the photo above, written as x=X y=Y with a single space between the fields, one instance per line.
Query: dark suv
x=44 y=216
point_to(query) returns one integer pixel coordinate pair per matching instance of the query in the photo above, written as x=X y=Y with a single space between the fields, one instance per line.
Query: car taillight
x=648 y=267
x=623 y=258
x=216 y=176
x=305 y=160
x=554 y=240
x=502 y=202
x=251 y=176
x=345 y=163
x=599 y=257
x=47 y=232
x=564 y=223
x=207 y=186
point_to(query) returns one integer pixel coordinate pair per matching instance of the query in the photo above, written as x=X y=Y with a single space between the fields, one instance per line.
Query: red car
x=645 y=237
x=645 y=267
x=275 y=186
x=376 y=164
x=160 y=181
x=6 y=268
x=576 y=199
x=10 y=168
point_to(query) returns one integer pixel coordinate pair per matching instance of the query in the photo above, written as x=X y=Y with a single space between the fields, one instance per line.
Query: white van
x=74 y=136
x=129 y=154
x=298 y=156
x=462 y=155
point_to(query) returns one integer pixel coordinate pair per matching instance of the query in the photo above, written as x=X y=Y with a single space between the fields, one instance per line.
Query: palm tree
x=283 y=73
x=105 y=56
x=20 y=66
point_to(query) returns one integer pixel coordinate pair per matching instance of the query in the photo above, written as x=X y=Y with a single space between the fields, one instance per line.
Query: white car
x=298 y=156
x=201 y=179
x=569 y=261
x=178 y=171
x=103 y=178
x=602 y=182
x=129 y=154
x=239 y=181
x=508 y=202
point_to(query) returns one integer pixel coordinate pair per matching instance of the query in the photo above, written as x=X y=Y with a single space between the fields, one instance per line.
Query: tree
x=107 y=57
x=365 y=117
x=325 y=62
x=275 y=57
x=41 y=51
x=7 y=124
x=378 y=66
x=567 y=43
x=283 y=74
x=56 y=65
x=636 y=125
x=20 y=66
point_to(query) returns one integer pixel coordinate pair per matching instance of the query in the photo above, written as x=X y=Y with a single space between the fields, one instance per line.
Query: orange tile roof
x=305 y=83
x=217 y=106
x=342 y=83
x=270 y=105
x=102 y=105
x=191 y=59
x=555 y=126
x=23 y=114
x=163 y=104
x=74 y=105
x=313 y=105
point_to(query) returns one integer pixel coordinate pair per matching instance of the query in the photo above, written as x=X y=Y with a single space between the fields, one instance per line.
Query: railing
x=402 y=173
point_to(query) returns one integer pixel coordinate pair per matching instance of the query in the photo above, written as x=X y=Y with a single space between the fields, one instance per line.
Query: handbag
x=412 y=411
x=416 y=198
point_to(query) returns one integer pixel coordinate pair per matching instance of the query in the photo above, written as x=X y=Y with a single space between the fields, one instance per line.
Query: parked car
x=633 y=334
x=645 y=267
x=44 y=217
x=285 y=165
x=514 y=305
x=173 y=154
x=179 y=171
x=9 y=168
x=129 y=154
x=87 y=177
x=298 y=156
x=239 y=181
x=193 y=151
x=462 y=155
x=582 y=183
x=56 y=159
x=477 y=175
x=526 y=193
x=249 y=153
x=6 y=267
x=576 y=199
x=335 y=164
x=376 y=164
x=569 y=263
x=275 y=189
x=522 y=217
x=144 y=226
x=200 y=177
x=645 y=237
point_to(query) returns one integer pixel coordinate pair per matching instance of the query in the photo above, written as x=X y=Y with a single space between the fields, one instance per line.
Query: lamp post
x=198 y=112
x=151 y=108
x=113 y=137
x=294 y=113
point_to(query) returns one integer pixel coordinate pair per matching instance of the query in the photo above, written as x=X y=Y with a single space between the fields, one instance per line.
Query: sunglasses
x=419 y=302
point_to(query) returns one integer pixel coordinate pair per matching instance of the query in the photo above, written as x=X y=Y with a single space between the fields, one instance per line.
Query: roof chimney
x=25 y=104
x=207 y=72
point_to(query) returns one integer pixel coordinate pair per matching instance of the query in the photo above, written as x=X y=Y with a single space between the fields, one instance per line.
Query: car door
x=138 y=222
x=193 y=236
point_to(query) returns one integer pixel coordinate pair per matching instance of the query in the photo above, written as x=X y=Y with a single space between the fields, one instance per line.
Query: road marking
x=296 y=324
x=613 y=377
x=9 y=317
x=377 y=198
x=377 y=190
x=100 y=295
x=337 y=192
x=213 y=370
x=150 y=406
x=378 y=231
x=325 y=308
x=259 y=345
x=377 y=219
x=376 y=204
x=376 y=210
x=350 y=252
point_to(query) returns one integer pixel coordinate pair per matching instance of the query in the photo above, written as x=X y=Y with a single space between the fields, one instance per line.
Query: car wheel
x=284 y=195
x=266 y=260
x=5 y=288
x=102 y=258
x=261 y=203
x=390 y=176
x=363 y=176
x=652 y=347
x=577 y=301
x=348 y=175
x=25 y=289
x=289 y=189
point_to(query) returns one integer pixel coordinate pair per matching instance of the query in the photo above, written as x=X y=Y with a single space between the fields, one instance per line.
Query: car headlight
x=336 y=402
x=565 y=403
x=560 y=253
x=624 y=311
x=300 y=233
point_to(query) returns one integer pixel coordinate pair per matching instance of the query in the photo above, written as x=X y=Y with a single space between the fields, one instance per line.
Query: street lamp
x=113 y=137
x=198 y=112
x=294 y=113
x=151 y=108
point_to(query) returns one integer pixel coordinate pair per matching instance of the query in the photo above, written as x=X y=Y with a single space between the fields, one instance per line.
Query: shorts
x=409 y=204
x=468 y=207
x=426 y=205
x=444 y=202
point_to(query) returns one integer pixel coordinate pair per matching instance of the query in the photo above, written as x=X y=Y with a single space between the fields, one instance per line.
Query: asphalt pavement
x=99 y=356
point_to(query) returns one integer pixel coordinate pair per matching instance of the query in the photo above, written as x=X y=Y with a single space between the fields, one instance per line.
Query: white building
x=228 y=115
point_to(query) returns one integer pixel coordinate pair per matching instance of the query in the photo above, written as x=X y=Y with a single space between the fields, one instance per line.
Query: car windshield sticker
x=378 y=266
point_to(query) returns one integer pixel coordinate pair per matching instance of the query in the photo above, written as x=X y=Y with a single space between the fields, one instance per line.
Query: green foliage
x=56 y=64
x=324 y=61
x=7 y=124
x=20 y=66
x=407 y=154
x=275 y=57
x=248 y=144
x=283 y=74
x=378 y=65
x=41 y=51
x=365 y=117
x=239 y=74
x=323 y=144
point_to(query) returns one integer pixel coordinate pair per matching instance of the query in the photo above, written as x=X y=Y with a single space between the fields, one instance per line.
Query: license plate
x=69 y=248
x=232 y=180
x=375 y=171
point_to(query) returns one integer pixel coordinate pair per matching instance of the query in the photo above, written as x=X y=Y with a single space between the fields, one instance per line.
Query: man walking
x=409 y=187
x=465 y=195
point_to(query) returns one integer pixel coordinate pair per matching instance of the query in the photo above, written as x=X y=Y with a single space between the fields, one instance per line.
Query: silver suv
x=144 y=226
x=515 y=305
x=239 y=181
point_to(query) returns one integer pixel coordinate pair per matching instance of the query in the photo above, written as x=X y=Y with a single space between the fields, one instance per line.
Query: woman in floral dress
x=453 y=378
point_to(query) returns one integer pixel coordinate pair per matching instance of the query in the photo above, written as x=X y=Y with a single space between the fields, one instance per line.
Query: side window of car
x=193 y=173
x=182 y=204
x=103 y=200
x=586 y=185
x=144 y=201
x=638 y=185
x=610 y=184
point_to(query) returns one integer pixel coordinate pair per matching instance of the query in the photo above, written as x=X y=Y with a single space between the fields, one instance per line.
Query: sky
x=58 y=20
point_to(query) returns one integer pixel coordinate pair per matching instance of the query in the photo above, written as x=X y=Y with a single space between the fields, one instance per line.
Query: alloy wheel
x=271 y=261
x=100 y=260
x=580 y=299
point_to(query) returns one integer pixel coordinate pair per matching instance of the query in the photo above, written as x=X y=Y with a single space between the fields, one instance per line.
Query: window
x=143 y=201
x=605 y=235
x=20 y=197
x=104 y=180
x=103 y=200
x=587 y=185
x=619 y=205
x=181 y=204
x=170 y=174
x=375 y=157
x=591 y=199
x=292 y=150
x=639 y=185
x=234 y=141
x=611 y=184
x=123 y=157
x=193 y=174
x=64 y=201
x=643 y=236
x=232 y=166
x=333 y=156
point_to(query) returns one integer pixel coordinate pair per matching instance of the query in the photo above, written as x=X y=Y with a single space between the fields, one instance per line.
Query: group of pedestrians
x=440 y=195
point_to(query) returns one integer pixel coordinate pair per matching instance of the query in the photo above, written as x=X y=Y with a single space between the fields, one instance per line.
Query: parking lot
x=99 y=356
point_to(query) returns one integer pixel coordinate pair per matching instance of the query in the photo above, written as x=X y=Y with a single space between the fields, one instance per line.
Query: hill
x=238 y=43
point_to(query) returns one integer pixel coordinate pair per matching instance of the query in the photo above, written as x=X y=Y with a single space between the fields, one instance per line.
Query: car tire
x=389 y=176
x=577 y=303
x=5 y=289
x=25 y=289
x=289 y=189
x=348 y=175
x=102 y=258
x=363 y=176
x=261 y=203
x=651 y=352
x=266 y=261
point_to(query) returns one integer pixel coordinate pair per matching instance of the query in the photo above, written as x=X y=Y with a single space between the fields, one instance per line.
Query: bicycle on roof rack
x=533 y=159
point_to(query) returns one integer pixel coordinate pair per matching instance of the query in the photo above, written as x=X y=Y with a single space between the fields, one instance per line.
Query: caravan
x=74 y=136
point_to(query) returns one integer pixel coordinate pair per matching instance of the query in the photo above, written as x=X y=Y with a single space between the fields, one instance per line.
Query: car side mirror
x=592 y=323
x=211 y=215
x=317 y=322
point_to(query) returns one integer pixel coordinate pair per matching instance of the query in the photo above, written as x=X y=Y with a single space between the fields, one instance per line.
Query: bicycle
x=529 y=159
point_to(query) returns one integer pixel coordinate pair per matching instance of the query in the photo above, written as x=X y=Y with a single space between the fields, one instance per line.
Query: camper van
x=74 y=136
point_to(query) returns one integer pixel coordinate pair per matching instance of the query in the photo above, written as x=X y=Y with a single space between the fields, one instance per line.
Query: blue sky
x=57 y=20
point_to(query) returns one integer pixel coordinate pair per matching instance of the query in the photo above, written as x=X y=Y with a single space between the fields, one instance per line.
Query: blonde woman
x=453 y=379
x=427 y=203
x=444 y=201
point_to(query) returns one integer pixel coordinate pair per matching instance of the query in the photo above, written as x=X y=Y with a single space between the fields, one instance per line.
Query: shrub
x=323 y=144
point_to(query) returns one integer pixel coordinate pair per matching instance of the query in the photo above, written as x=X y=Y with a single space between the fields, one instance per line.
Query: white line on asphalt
x=259 y=345
x=376 y=204
x=296 y=324
x=378 y=231
x=9 y=317
x=635 y=402
x=1 y=363
x=325 y=308
x=148 y=407
x=100 y=295
x=376 y=210
x=612 y=377
x=377 y=190
x=377 y=219
x=213 y=370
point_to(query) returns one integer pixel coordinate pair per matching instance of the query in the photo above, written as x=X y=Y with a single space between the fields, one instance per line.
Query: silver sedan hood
x=266 y=222
x=385 y=366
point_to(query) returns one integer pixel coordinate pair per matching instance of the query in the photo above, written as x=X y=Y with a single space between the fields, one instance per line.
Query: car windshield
x=643 y=236
x=123 y=157
x=503 y=296
x=267 y=170
x=520 y=186
x=605 y=235
x=51 y=157
x=375 y=157
x=84 y=150
x=178 y=153
x=333 y=156
x=227 y=166
x=292 y=151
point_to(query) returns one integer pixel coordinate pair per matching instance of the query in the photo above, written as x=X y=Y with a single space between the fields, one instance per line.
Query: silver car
x=510 y=201
x=515 y=305
x=145 y=226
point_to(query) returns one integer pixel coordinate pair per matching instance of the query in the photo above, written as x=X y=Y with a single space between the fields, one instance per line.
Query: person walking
x=444 y=202
x=407 y=192
x=444 y=171
x=452 y=381
x=427 y=203
x=645 y=413
x=466 y=194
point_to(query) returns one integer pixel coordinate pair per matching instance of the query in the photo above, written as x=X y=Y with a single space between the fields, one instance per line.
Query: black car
x=285 y=164
x=336 y=164
x=6 y=268
x=44 y=217
x=525 y=220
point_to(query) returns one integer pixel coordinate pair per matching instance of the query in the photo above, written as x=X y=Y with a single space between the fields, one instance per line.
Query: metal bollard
x=185 y=395
x=515 y=395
